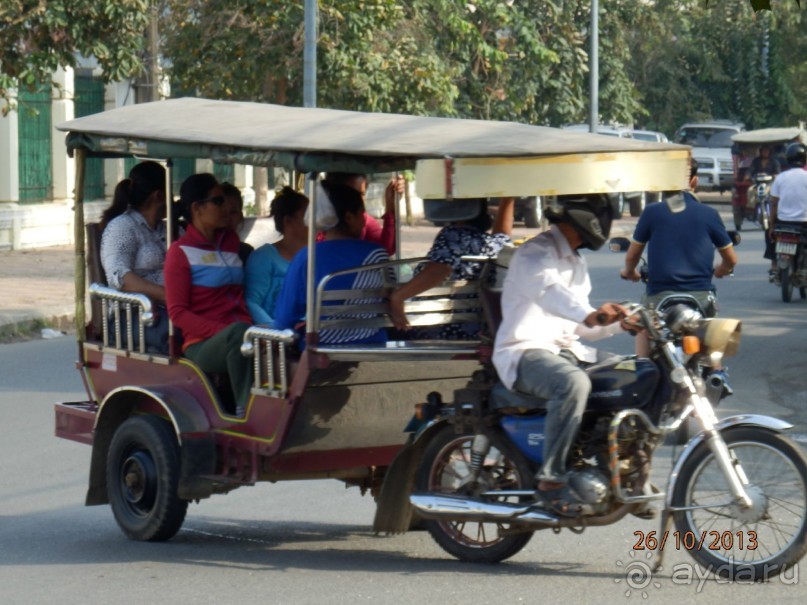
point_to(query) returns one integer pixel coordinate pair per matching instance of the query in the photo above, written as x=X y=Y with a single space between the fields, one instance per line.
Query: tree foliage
x=661 y=62
x=39 y=36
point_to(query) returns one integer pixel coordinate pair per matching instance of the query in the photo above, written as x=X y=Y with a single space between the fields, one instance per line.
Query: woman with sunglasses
x=204 y=279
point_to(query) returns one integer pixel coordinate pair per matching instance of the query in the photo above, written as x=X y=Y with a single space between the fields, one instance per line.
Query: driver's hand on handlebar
x=632 y=275
x=607 y=314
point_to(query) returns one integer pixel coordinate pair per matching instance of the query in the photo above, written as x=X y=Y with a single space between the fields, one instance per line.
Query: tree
x=692 y=62
x=371 y=55
x=39 y=36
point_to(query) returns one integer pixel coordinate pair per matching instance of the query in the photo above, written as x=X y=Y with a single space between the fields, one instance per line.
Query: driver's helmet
x=590 y=215
x=796 y=154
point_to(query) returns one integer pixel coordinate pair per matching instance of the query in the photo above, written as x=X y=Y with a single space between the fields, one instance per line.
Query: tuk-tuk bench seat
x=450 y=303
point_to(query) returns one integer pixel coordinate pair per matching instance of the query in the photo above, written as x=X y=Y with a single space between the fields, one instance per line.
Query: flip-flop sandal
x=562 y=501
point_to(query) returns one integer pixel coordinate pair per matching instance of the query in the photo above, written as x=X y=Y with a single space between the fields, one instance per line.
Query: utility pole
x=147 y=85
x=594 y=67
x=310 y=55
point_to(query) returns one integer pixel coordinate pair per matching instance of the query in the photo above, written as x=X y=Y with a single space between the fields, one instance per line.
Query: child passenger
x=267 y=266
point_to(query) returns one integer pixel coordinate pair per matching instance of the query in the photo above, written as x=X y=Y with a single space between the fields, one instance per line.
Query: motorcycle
x=757 y=205
x=737 y=492
x=790 y=261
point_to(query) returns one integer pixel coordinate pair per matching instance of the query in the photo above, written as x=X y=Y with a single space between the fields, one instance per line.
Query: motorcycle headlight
x=722 y=336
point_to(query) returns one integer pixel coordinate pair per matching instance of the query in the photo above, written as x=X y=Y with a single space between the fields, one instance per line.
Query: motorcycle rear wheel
x=739 y=544
x=739 y=217
x=446 y=462
x=786 y=279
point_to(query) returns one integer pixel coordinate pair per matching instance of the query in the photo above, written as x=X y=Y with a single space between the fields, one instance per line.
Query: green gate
x=89 y=99
x=34 y=136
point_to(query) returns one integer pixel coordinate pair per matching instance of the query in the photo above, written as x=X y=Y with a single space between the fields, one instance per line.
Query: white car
x=711 y=147
x=649 y=135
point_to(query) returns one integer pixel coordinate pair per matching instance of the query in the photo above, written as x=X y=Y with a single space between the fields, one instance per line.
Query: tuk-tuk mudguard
x=757 y=420
x=393 y=513
x=192 y=428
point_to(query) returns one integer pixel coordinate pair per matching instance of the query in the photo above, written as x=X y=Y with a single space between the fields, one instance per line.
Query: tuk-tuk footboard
x=75 y=420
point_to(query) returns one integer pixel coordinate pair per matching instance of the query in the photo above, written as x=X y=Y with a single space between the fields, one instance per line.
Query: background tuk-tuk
x=159 y=433
x=752 y=177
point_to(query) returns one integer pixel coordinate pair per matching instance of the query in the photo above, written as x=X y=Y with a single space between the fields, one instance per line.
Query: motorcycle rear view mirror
x=735 y=237
x=619 y=244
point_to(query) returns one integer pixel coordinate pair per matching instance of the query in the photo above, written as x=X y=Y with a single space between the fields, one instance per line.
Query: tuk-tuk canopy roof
x=768 y=135
x=321 y=140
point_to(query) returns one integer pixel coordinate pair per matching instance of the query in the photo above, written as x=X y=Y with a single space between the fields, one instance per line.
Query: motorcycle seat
x=513 y=402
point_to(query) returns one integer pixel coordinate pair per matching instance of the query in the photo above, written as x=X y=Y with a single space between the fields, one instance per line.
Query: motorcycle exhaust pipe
x=459 y=508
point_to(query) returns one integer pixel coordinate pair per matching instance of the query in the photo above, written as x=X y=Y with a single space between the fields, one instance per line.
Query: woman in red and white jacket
x=204 y=287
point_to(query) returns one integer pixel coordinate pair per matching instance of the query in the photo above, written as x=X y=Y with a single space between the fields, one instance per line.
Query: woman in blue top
x=267 y=266
x=342 y=249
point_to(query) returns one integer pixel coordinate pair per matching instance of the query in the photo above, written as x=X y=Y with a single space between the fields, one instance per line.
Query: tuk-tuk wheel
x=142 y=474
x=443 y=468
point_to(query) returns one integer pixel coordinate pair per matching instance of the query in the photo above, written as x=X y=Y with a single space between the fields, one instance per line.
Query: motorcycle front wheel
x=446 y=464
x=751 y=544
x=762 y=216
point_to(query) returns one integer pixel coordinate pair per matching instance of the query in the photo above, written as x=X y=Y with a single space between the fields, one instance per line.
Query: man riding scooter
x=788 y=206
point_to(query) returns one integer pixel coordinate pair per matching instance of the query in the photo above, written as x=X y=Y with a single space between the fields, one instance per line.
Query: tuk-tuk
x=159 y=433
x=758 y=156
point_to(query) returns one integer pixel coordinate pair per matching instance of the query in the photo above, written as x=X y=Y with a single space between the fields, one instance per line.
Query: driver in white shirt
x=545 y=308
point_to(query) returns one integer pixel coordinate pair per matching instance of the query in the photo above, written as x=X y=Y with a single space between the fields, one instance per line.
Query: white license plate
x=785 y=248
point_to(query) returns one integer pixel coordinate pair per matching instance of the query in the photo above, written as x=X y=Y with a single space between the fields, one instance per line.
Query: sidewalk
x=37 y=287
x=36 y=290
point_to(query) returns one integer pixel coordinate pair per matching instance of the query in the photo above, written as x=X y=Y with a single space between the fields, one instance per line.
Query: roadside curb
x=19 y=324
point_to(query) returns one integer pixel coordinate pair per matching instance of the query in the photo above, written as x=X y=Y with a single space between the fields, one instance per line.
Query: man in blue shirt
x=681 y=235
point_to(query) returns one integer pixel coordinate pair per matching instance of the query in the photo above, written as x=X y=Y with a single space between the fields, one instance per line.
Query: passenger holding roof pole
x=384 y=235
x=341 y=215
x=465 y=235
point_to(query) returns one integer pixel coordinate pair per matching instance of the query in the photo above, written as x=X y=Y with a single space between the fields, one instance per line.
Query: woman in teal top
x=267 y=266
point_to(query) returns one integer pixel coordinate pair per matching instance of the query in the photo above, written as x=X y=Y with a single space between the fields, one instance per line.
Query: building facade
x=37 y=178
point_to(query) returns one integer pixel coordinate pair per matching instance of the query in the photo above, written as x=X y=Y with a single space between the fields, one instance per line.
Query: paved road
x=309 y=542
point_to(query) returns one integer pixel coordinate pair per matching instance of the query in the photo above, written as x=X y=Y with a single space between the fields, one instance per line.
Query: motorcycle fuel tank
x=624 y=383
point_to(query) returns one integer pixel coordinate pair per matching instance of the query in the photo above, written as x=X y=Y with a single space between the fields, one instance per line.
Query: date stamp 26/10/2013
x=690 y=540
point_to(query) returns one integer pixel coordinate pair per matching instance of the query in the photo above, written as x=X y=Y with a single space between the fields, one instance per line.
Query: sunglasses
x=218 y=200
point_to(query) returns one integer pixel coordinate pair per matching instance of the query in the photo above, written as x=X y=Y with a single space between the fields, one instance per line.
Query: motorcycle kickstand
x=666 y=523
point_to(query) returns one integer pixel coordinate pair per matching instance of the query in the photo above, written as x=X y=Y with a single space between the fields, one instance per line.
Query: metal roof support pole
x=78 y=237
x=169 y=237
x=310 y=286
x=397 y=219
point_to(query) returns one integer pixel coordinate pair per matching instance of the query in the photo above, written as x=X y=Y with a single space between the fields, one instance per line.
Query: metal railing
x=124 y=304
x=268 y=348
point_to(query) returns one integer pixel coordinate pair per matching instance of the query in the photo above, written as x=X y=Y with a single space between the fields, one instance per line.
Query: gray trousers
x=560 y=380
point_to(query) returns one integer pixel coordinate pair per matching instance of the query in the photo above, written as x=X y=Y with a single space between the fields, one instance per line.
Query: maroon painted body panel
x=338 y=416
